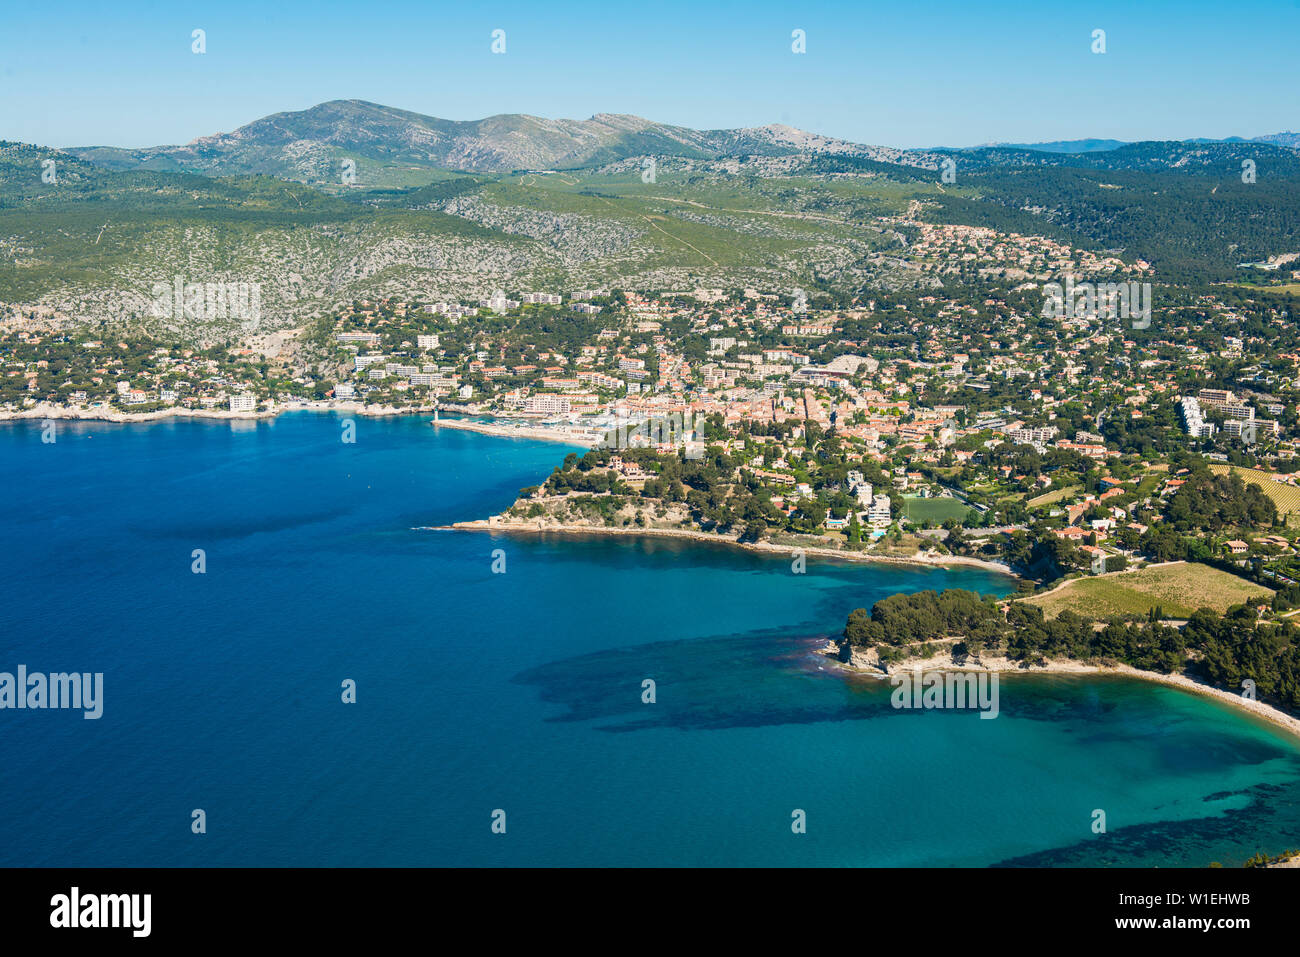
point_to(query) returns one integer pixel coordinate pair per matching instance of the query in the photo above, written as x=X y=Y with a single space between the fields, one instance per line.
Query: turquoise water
x=522 y=691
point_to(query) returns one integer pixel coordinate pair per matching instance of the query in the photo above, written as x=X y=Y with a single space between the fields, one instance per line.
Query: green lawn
x=937 y=510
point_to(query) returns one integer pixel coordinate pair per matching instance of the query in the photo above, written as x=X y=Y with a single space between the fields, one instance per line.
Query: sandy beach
x=497 y=525
x=865 y=663
x=523 y=430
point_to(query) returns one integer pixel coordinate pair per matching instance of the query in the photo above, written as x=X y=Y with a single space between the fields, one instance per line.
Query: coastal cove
x=862 y=665
x=522 y=690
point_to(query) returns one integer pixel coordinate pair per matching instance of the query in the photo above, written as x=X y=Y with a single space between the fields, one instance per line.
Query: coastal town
x=1122 y=463
x=1125 y=450
x=589 y=439
x=906 y=423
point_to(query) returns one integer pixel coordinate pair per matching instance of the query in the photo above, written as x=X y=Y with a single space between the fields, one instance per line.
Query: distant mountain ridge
x=316 y=144
x=1064 y=146
x=309 y=144
x=1288 y=140
x=455 y=209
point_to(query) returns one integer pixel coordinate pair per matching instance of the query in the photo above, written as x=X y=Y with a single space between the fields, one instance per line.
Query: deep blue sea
x=522 y=692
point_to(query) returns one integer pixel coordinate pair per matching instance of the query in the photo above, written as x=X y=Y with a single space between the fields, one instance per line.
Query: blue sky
x=902 y=74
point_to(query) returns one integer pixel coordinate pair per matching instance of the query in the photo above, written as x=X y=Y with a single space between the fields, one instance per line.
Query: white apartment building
x=878 y=515
x=498 y=302
x=547 y=404
x=1039 y=436
x=1196 y=426
x=370 y=338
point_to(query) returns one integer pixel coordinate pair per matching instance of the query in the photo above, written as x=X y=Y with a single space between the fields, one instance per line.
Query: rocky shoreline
x=495 y=524
x=73 y=413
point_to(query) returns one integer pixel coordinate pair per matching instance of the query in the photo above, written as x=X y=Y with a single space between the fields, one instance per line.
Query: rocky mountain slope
x=309 y=145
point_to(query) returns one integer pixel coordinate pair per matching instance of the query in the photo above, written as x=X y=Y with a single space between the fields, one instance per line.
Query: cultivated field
x=1285 y=497
x=1055 y=495
x=1178 y=589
